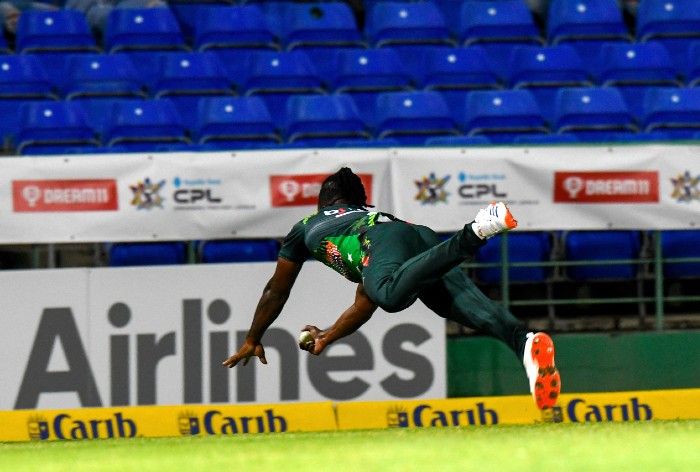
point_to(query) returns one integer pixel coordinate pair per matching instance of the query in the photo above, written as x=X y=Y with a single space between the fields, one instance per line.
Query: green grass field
x=644 y=446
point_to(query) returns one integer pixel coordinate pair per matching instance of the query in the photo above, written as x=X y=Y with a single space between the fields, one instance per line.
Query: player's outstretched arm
x=350 y=321
x=272 y=300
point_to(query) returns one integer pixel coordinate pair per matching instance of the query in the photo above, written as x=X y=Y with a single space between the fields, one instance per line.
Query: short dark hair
x=344 y=185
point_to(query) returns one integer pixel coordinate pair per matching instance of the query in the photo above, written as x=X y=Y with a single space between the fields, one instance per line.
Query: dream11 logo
x=303 y=189
x=606 y=187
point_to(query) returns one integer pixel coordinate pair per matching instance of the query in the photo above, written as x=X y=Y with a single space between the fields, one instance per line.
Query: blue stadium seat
x=407 y=27
x=522 y=247
x=145 y=125
x=320 y=29
x=22 y=79
x=275 y=76
x=142 y=28
x=675 y=111
x=186 y=77
x=374 y=143
x=498 y=27
x=322 y=120
x=601 y=246
x=366 y=74
x=306 y=25
x=54 y=31
x=456 y=72
x=545 y=139
x=592 y=114
x=188 y=11
x=586 y=25
x=231 y=251
x=51 y=127
x=478 y=140
x=142 y=33
x=543 y=70
x=693 y=74
x=501 y=115
x=635 y=68
x=678 y=244
x=146 y=254
x=235 y=123
x=673 y=23
x=52 y=35
x=413 y=117
x=242 y=27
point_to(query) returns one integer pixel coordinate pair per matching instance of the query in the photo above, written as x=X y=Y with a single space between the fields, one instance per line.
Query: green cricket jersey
x=332 y=236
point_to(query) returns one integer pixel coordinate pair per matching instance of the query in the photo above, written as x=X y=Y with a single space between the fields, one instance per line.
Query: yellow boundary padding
x=191 y=420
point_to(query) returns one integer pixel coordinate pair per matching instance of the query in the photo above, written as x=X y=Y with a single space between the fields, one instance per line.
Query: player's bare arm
x=274 y=296
x=350 y=321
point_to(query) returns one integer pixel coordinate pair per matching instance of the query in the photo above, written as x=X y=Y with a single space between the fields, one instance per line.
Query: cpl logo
x=472 y=188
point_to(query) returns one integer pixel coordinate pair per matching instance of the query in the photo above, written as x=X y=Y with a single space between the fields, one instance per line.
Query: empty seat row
x=523 y=248
x=405 y=118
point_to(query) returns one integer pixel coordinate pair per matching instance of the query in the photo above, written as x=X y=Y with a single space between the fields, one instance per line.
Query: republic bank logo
x=431 y=189
x=686 y=187
x=147 y=194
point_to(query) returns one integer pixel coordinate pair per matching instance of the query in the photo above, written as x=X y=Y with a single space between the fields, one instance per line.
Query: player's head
x=342 y=187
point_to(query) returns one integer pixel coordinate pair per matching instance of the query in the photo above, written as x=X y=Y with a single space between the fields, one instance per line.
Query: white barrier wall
x=157 y=336
x=263 y=193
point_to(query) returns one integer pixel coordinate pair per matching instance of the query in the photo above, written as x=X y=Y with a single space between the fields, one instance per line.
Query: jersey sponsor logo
x=44 y=196
x=606 y=187
x=303 y=189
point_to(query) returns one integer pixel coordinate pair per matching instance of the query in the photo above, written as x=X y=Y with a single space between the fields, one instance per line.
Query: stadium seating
x=413 y=117
x=458 y=141
x=498 y=27
x=586 y=25
x=635 y=68
x=146 y=254
x=364 y=74
x=693 y=74
x=592 y=114
x=235 y=123
x=530 y=247
x=543 y=70
x=409 y=28
x=233 y=27
x=675 y=111
x=322 y=120
x=275 y=76
x=673 y=23
x=456 y=72
x=186 y=77
x=142 y=33
x=501 y=115
x=145 y=125
x=53 y=127
x=52 y=35
x=602 y=246
x=228 y=251
x=23 y=79
x=680 y=244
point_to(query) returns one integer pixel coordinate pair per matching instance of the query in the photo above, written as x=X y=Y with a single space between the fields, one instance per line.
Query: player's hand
x=316 y=346
x=244 y=354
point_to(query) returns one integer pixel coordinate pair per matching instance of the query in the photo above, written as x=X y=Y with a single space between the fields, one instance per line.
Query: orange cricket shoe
x=538 y=359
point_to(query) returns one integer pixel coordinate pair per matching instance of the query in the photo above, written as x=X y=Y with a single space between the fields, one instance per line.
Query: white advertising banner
x=552 y=188
x=157 y=336
x=181 y=196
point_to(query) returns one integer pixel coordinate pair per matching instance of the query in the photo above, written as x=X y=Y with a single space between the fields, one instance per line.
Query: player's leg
x=402 y=259
x=456 y=298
